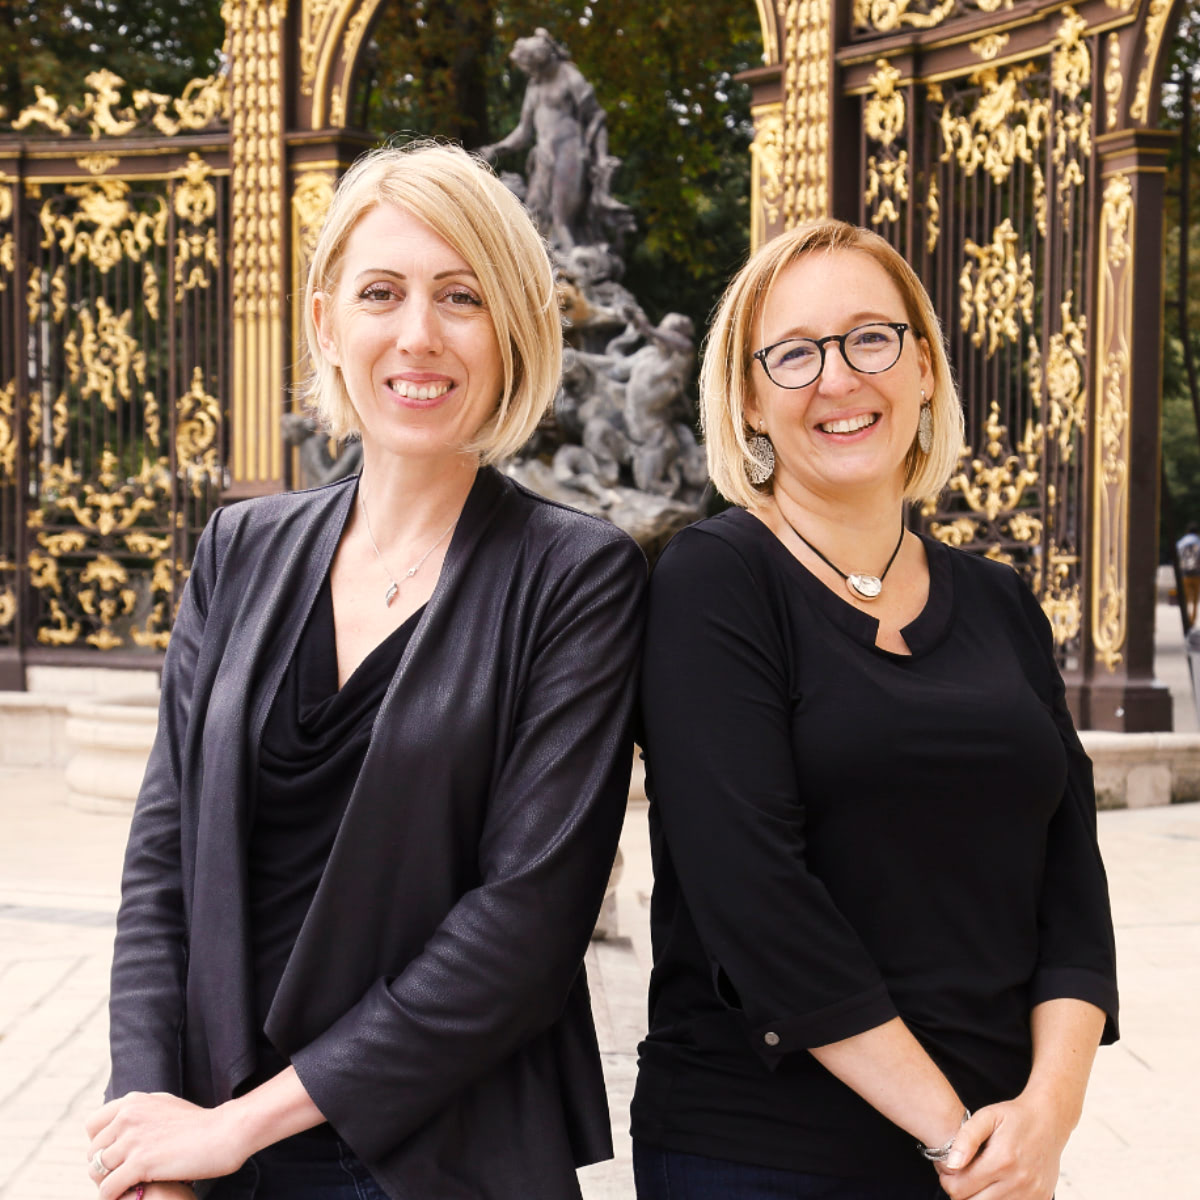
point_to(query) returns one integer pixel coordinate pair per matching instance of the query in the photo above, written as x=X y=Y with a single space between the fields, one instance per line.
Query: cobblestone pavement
x=58 y=893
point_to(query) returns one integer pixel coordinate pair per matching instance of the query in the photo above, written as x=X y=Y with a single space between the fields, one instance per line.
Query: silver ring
x=98 y=1165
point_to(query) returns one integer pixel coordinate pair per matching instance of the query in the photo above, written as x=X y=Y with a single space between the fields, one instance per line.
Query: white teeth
x=850 y=424
x=418 y=391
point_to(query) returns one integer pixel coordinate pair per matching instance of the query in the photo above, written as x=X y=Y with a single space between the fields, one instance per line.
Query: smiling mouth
x=418 y=391
x=850 y=424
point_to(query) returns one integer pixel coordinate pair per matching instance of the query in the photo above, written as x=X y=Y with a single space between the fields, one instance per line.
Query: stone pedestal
x=109 y=742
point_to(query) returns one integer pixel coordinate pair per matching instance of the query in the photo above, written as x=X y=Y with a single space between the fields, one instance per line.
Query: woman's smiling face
x=846 y=430
x=407 y=326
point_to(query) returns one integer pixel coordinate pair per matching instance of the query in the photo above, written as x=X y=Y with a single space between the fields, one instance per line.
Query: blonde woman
x=391 y=764
x=878 y=901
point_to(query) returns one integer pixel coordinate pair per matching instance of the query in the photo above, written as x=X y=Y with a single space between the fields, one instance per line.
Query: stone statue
x=317 y=464
x=568 y=169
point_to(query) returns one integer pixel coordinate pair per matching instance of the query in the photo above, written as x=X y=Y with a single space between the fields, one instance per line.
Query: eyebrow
x=400 y=274
x=855 y=319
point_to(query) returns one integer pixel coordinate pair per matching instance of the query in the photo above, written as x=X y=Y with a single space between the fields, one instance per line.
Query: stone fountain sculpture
x=620 y=442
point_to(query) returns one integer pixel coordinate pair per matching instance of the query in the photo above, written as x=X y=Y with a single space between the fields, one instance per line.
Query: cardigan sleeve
x=717 y=711
x=498 y=969
x=146 y=1003
x=1076 y=948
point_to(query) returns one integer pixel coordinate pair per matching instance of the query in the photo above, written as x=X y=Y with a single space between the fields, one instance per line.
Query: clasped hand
x=1008 y=1151
x=146 y=1137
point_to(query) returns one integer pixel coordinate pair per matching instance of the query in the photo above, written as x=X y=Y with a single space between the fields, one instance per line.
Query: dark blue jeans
x=312 y=1166
x=673 y=1175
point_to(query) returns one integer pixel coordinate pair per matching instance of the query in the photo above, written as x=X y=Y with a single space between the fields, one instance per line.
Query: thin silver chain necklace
x=393 y=589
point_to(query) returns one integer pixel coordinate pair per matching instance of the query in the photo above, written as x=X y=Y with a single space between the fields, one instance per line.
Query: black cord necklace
x=861 y=585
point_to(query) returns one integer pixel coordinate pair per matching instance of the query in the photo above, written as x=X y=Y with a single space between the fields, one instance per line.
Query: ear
x=322 y=314
x=925 y=362
x=751 y=413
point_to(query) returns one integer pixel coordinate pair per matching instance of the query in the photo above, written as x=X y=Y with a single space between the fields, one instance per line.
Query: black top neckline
x=922 y=634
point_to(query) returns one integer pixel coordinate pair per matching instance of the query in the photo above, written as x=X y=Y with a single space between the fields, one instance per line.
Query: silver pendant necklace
x=393 y=589
x=860 y=585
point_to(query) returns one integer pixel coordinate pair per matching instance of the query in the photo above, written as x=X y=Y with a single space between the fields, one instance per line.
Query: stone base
x=109 y=743
x=1141 y=770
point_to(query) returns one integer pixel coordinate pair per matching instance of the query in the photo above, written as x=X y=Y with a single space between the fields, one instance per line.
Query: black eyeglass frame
x=901 y=327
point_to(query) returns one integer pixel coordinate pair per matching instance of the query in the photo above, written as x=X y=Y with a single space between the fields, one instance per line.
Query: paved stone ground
x=58 y=894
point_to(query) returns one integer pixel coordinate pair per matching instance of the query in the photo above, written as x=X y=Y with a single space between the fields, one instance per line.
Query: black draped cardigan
x=435 y=1005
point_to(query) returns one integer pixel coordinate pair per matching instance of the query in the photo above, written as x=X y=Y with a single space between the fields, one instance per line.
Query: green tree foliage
x=148 y=43
x=1181 y=370
x=663 y=72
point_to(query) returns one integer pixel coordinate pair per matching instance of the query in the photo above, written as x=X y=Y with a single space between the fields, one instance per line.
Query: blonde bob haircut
x=459 y=197
x=726 y=381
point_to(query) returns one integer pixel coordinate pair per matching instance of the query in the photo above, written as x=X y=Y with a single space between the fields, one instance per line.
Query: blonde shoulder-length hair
x=459 y=197
x=725 y=375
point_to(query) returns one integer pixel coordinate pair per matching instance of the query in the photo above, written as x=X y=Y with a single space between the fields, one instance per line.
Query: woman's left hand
x=1008 y=1151
x=144 y=1137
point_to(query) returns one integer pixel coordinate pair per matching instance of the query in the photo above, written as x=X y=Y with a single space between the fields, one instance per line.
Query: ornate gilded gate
x=1007 y=148
x=148 y=249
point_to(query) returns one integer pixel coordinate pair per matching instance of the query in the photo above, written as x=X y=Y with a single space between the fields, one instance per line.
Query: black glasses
x=868 y=349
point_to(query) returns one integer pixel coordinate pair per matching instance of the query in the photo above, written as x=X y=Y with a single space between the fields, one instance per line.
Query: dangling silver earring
x=925 y=426
x=761 y=466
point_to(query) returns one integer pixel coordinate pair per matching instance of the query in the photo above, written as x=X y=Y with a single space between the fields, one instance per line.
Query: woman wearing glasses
x=879 y=904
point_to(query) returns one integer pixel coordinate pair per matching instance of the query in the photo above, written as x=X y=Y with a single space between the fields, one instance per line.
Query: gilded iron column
x=1127 y=372
x=258 y=87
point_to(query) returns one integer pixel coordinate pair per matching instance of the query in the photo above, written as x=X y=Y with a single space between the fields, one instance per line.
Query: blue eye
x=792 y=353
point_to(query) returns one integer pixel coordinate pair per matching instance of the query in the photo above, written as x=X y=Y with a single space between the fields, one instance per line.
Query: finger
x=969 y=1139
x=101 y=1117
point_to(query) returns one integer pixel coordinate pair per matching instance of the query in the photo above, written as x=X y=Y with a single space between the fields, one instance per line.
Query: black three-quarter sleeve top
x=842 y=835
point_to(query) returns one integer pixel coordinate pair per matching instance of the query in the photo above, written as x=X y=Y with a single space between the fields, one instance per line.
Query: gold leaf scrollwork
x=1114 y=80
x=1071 y=64
x=989 y=46
x=8 y=607
x=118 y=231
x=314 y=194
x=766 y=175
x=884 y=119
x=1156 y=21
x=58 y=295
x=1110 y=431
x=995 y=288
x=33 y=295
x=887 y=182
x=153 y=419
x=1118 y=218
x=933 y=215
x=198 y=417
x=1061 y=602
x=998 y=479
x=1005 y=124
x=8 y=433
x=97 y=163
x=150 y=292
x=203 y=102
x=885 y=112
x=195 y=197
x=8 y=260
x=959 y=532
x=884 y=16
x=6 y=202
x=65 y=631
x=1064 y=379
x=106 y=358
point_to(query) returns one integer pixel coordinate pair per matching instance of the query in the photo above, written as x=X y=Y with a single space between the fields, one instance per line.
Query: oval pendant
x=865 y=587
